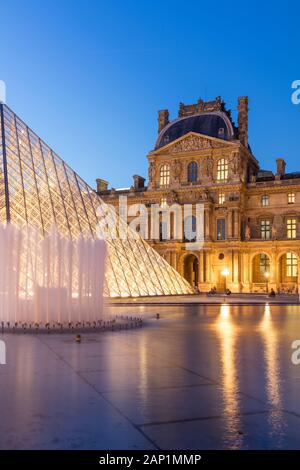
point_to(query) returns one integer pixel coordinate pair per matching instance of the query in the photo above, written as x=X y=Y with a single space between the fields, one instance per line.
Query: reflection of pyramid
x=38 y=188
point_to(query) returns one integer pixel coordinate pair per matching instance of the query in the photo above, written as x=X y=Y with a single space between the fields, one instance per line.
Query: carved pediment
x=192 y=142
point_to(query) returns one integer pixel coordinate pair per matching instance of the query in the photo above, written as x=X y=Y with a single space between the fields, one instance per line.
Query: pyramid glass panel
x=38 y=189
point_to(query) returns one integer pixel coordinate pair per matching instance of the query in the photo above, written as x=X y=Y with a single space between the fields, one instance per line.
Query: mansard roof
x=213 y=124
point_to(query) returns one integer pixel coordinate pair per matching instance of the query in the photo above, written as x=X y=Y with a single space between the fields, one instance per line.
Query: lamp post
x=225 y=273
x=267 y=274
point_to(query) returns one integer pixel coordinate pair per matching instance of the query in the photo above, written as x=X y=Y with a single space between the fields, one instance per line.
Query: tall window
x=220 y=229
x=222 y=169
x=190 y=227
x=291 y=198
x=264 y=265
x=164 y=175
x=265 y=228
x=192 y=172
x=291 y=265
x=291 y=228
x=265 y=200
x=221 y=198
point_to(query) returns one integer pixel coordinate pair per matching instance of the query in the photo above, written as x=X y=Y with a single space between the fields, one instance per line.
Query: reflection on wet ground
x=200 y=377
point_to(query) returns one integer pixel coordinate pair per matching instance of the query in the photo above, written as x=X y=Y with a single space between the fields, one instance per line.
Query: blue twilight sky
x=89 y=76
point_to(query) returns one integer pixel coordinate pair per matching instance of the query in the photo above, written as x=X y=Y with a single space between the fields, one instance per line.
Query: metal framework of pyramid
x=38 y=189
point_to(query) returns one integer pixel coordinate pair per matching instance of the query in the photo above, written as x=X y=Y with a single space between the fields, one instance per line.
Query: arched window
x=264 y=265
x=222 y=169
x=164 y=175
x=192 y=172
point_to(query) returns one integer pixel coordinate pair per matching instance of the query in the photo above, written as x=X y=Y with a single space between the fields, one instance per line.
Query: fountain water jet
x=47 y=280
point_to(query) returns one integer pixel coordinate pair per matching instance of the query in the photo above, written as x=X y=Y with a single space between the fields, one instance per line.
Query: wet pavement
x=200 y=377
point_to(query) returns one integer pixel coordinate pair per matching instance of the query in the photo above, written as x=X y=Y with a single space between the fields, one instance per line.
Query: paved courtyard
x=200 y=377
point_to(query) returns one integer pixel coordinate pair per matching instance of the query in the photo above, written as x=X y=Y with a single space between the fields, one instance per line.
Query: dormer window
x=221 y=131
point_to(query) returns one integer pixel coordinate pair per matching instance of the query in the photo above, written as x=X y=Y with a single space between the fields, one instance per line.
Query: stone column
x=229 y=224
x=245 y=258
x=236 y=263
x=206 y=223
x=273 y=272
x=236 y=223
x=208 y=266
x=201 y=266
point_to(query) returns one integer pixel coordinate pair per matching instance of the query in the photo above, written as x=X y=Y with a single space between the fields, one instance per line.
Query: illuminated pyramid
x=39 y=189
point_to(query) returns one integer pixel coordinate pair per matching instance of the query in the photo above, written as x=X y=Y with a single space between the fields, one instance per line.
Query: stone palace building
x=251 y=216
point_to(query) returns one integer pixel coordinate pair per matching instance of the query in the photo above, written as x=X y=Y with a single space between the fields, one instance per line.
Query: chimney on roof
x=102 y=185
x=280 y=163
x=243 y=119
x=163 y=119
x=138 y=182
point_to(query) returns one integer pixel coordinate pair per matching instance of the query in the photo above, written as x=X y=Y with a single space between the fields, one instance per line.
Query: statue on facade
x=274 y=232
x=177 y=170
x=205 y=195
x=247 y=232
x=235 y=163
x=152 y=172
x=209 y=164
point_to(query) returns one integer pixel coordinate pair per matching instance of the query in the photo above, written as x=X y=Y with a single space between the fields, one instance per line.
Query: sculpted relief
x=193 y=143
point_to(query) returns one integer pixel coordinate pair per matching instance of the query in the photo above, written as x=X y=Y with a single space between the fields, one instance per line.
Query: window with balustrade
x=164 y=175
x=222 y=169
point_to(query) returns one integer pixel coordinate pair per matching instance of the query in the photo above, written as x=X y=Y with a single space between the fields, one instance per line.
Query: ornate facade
x=251 y=216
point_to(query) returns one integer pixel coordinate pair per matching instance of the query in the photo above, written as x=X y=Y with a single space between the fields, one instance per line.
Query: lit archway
x=288 y=272
x=260 y=268
x=191 y=269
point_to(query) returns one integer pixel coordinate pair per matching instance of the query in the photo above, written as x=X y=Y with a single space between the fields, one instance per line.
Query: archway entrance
x=191 y=269
x=260 y=272
x=288 y=273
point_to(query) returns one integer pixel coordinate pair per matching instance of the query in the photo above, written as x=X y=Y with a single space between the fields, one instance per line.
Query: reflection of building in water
x=227 y=332
x=251 y=216
x=270 y=338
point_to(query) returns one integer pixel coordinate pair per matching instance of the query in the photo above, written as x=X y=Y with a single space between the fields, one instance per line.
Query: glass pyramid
x=38 y=189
